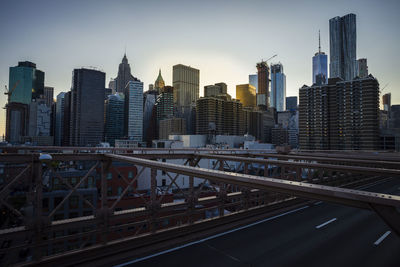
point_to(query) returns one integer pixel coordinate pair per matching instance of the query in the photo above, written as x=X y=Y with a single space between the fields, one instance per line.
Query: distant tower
x=253 y=80
x=134 y=110
x=263 y=83
x=60 y=106
x=320 y=65
x=362 y=68
x=386 y=100
x=124 y=75
x=114 y=118
x=185 y=81
x=49 y=95
x=343 y=47
x=278 y=87
x=87 y=107
x=159 y=83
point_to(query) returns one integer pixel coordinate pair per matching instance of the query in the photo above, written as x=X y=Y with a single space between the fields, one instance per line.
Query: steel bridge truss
x=234 y=188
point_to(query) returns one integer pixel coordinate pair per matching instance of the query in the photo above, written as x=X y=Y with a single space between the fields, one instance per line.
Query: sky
x=224 y=39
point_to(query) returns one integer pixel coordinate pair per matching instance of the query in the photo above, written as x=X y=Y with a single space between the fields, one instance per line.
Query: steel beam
x=352 y=169
x=349 y=197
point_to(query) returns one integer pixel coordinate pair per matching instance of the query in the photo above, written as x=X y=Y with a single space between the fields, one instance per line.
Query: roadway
x=319 y=234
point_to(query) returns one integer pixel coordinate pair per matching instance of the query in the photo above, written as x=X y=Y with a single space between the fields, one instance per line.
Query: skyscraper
x=219 y=115
x=216 y=89
x=114 y=118
x=362 y=68
x=246 y=93
x=253 y=80
x=165 y=104
x=263 y=84
x=320 y=65
x=185 y=81
x=340 y=115
x=159 y=83
x=48 y=95
x=17 y=115
x=25 y=83
x=134 y=110
x=291 y=103
x=124 y=75
x=387 y=102
x=278 y=87
x=66 y=122
x=59 y=129
x=343 y=45
x=87 y=107
x=149 y=116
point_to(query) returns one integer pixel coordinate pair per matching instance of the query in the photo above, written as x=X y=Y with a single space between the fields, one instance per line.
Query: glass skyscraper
x=253 y=80
x=320 y=66
x=25 y=82
x=59 y=119
x=87 y=107
x=134 y=110
x=278 y=87
x=343 y=45
x=114 y=118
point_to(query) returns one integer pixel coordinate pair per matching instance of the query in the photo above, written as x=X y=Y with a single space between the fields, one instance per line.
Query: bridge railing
x=81 y=214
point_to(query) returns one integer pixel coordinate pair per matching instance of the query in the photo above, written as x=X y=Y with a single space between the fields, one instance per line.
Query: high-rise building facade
x=66 y=122
x=185 y=81
x=49 y=95
x=263 y=84
x=25 y=83
x=362 y=68
x=39 y=118
x=17 y=116
x=171 y=126
x=150 y=116
x=291 y=103
x=165 y=104
x=114 y=118
x=343 y=47
x=59 y=125
x=341 y=115
x=246 y=94
x=124 y=75
x=387 y=102
x=159 y=83
x=216 y=89
x=320 y=66
x=87 y=107
x=278 y=87
x=134 y=110
x=219 y=116
x=253 y=80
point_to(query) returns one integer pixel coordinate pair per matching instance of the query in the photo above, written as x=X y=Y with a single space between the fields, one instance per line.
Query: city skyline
x=45 y=34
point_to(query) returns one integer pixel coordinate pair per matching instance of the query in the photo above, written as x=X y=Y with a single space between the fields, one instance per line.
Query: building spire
x=319 y=41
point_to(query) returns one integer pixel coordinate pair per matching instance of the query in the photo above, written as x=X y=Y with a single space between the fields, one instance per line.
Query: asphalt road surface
x=320 y=234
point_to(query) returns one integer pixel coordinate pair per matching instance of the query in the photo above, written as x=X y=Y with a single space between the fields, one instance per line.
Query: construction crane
x=383 y=88
x=10 y=92
x=269 y=58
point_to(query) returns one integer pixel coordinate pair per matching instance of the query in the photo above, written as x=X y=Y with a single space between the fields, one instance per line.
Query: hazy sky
x=224 y=39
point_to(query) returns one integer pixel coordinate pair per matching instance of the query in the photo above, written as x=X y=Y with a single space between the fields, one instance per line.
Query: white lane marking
x=208 y=238
x=377 y=242
x=325 y=223
x=223 y=253
x=317 y=203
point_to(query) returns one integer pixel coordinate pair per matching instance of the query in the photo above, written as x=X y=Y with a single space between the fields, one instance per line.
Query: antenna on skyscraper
x=319 y=41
